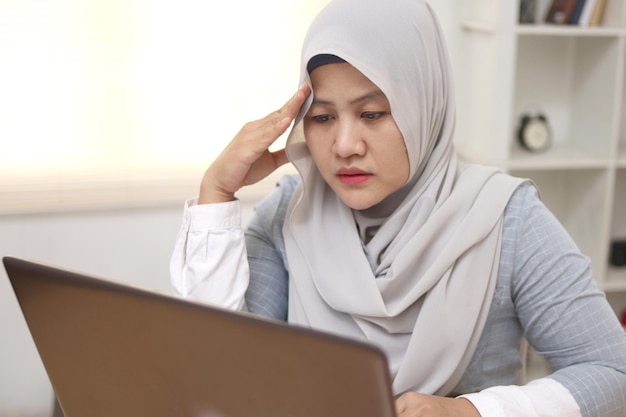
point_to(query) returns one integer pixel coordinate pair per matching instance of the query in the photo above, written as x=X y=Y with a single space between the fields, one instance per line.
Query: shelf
x=568 y=30
x=574 y=76
x=486 y=27
x=574 y=87
x=558 y=157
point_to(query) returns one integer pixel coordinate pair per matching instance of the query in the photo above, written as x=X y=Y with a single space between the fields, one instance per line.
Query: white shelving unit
x=575 y=76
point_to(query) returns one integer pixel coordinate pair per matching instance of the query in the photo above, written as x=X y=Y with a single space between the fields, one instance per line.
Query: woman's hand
x=247 y=159
x=412 y=404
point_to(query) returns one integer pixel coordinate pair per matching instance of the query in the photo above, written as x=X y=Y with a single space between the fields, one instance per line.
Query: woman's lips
x=352 y=176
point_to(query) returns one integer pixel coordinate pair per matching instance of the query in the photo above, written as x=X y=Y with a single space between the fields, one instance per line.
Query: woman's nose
x=349 y=140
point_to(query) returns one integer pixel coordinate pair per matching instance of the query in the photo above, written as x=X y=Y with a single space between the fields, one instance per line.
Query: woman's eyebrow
x=372 y=95
x=369 y=96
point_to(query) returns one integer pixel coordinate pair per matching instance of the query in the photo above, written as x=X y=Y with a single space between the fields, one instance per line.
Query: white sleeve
x=543 y=397
x=209 y=262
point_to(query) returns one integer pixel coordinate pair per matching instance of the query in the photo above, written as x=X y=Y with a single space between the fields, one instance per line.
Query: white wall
x=130 y=245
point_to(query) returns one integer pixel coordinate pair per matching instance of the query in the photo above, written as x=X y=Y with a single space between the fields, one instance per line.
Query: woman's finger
x=281 y=119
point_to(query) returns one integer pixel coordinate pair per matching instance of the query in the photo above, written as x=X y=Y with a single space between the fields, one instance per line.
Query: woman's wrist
x=213 y=196
x=210 y=193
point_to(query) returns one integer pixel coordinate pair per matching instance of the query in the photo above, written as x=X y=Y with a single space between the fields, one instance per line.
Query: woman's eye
x=321 y=118
x=372 y=115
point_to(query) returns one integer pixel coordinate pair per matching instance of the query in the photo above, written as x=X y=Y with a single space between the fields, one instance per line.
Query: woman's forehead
x=341 y=81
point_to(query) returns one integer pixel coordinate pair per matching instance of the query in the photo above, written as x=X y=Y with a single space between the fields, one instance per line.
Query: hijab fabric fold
x=421 y=288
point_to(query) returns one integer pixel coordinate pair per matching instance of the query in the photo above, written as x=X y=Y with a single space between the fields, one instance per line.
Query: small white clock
x=534 y=133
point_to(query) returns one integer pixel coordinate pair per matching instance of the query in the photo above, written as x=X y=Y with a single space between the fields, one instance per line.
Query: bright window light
x=125 y=94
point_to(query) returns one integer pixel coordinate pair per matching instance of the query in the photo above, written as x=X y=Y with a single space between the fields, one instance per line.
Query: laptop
x=113 y=350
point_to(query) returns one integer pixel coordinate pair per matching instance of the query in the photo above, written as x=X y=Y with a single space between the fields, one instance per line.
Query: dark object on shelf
x=527 y=11
x=618 y=253
x=560 y=11
x=534 y=133
x=577 y=12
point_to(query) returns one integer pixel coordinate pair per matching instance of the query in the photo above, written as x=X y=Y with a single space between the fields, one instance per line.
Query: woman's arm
x=209 y=260
x=212 y=262
x=208 y=263
x=267 y=293
x=567 y=319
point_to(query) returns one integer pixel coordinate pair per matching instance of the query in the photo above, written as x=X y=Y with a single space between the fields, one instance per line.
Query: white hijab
x=425 y=299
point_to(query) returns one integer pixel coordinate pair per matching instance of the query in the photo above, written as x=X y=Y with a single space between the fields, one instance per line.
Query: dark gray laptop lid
x=113 y=350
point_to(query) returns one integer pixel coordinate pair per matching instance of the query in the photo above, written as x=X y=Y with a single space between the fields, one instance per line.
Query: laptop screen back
x=114 y=350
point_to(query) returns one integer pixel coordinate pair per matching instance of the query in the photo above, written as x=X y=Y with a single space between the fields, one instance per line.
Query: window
x=128 y=101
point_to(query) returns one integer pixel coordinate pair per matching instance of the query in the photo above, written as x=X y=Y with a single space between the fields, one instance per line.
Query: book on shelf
x=560 y=11
x=527 y=11
x=592 y=13
x=598 y=13
x=577 y=12
x=587 y=11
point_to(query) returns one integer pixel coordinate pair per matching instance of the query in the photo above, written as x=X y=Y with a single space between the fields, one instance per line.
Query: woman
x=386 y=237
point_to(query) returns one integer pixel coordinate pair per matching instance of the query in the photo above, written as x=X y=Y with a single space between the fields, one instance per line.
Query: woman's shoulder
x=515 y=226
x=288 y=183
x=274 y=206
x=526 y=210
x=536 y=245
x=524 y=195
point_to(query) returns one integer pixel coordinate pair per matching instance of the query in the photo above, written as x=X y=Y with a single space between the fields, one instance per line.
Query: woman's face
x=355 y=143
